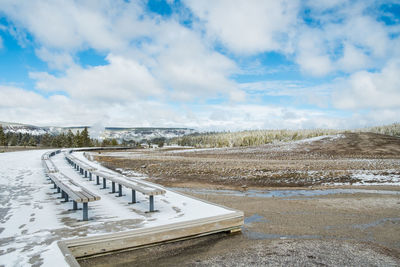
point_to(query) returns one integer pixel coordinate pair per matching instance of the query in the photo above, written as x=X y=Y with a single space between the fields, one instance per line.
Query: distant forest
x=262 y=137
x=69 y=139
x=201 y=140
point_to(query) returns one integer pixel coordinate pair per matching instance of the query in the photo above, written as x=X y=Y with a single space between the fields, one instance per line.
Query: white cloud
x=347 y=38
x=191 y=69
x=311 y=55
x=353 y=59
x=153 y=60
x=16 y=97
x=122 y=80
x=248 y=27
x=69 y=24
x=365 y=89
x=55 y=60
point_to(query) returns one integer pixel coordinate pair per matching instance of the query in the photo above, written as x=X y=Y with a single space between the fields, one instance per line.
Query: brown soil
x=337 y=230
x=359 y=229
x=273 y=165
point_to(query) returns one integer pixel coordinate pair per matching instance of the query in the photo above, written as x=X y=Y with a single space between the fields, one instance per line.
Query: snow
x=33 y=220
x=371 y=178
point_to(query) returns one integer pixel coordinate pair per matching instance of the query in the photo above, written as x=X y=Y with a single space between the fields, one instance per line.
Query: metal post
x=85 y=211
x=151 y=203
x=62 y=194
x=133 y=197
x=113 y=187
x=90 y=176
x=66 y=197
x=85 y=173
x=97 y=180
x=75 y=205
x=55 y=186
x=104 y=183
x=119 y=190
x=58 y=190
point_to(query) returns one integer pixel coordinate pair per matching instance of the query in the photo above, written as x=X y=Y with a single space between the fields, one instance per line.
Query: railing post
x=85 y=211
x=97 y=180
x=104 y=183
x=75 y=205
x=113 y=187
x=151 y=203
x=119 y=190
x=133 y=197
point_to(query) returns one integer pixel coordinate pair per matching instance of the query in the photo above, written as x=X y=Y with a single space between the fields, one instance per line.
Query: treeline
x=262 y=137
x=248 y=138
x=69 y=139
x=392 y=129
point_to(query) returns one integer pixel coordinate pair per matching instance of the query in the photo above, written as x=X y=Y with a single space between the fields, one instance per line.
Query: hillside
x=350 y=158
x=128 y=134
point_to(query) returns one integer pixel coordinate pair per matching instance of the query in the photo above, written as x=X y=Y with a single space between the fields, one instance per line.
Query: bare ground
x=358 y=229
x=329 y=160
x=337 y=230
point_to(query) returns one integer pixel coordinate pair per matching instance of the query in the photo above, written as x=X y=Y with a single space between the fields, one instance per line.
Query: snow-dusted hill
x=138 y=134
x=127 y=134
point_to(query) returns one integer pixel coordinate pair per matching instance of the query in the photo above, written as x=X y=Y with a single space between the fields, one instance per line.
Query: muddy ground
x=325 y=161
x=340 y=229
x=359 y=229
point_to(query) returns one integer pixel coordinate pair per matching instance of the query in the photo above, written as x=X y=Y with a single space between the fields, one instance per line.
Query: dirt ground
x=337 y=230
x=340 y=229
x=328 y=160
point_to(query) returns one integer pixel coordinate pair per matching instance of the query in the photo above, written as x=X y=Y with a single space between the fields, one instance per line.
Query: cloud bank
x=331 y=64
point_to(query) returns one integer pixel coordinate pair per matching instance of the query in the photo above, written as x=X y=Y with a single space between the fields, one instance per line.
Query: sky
x=204 y=64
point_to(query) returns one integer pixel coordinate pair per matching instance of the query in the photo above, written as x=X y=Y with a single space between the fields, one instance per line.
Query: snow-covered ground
x=33 y=219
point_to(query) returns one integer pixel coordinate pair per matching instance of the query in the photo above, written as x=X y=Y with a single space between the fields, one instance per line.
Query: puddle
x=254 y=218
x=365 y=226
x=376 y=223
x=257 y=235
x=285 y=193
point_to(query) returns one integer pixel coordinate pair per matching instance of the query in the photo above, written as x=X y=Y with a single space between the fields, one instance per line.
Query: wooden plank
x=138 y=238
x=136 y=185
x=81 y=195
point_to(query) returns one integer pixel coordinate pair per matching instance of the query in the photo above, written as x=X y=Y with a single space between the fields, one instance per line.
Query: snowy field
x=33 y=219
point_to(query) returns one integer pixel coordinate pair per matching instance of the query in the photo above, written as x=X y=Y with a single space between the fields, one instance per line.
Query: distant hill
x=138 y=134
x=127 y=133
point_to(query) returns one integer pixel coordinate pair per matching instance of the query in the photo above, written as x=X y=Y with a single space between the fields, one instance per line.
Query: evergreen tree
x=106 y=142
x=19 y=139
x=69 y=139
x=32 y=141
x=2 y=136
x=114 y=142
x=46 y=140
x=77 y=139
x=85 y=139
x=13 y=140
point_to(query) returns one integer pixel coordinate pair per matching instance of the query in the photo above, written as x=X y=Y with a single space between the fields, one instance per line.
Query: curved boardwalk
x=33 y=219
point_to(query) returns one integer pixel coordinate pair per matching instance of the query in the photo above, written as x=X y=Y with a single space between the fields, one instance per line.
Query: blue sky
x=209 y=65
